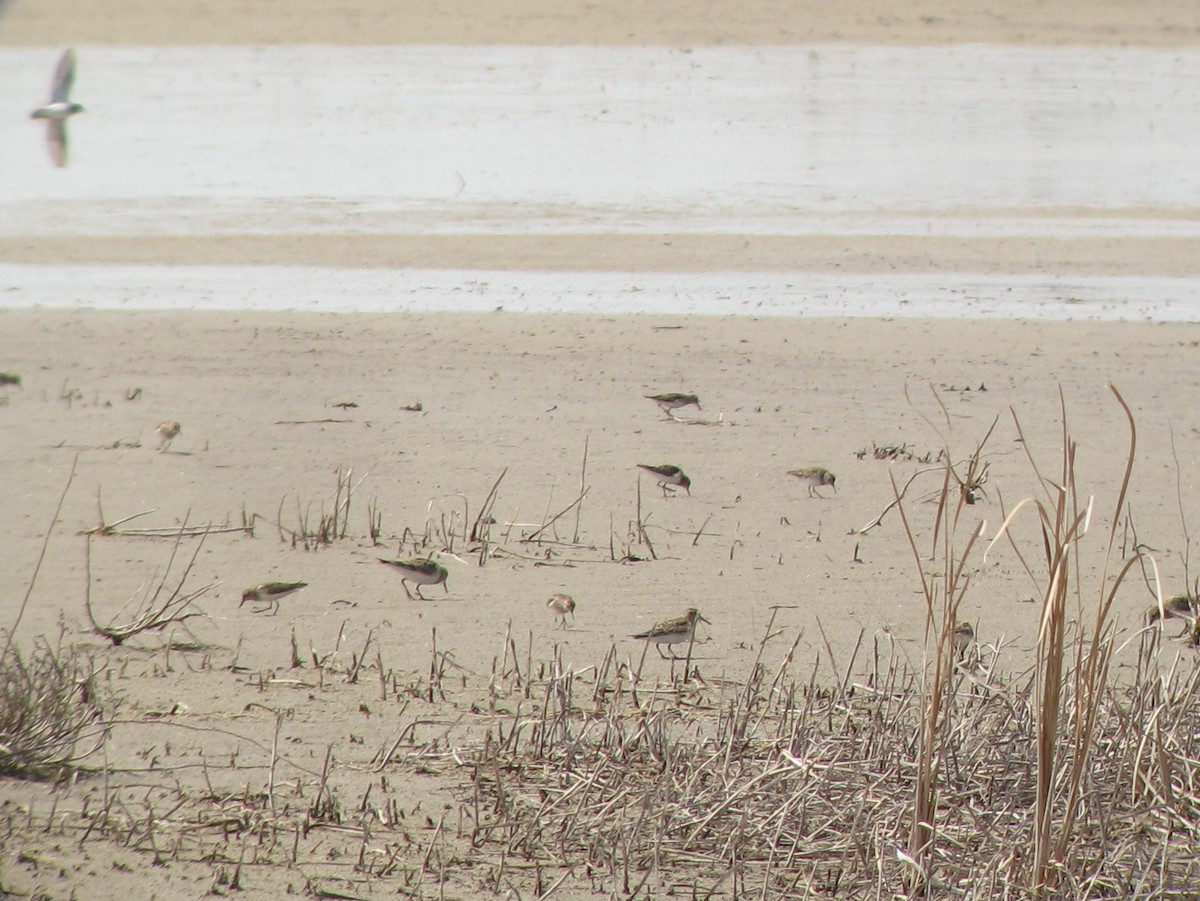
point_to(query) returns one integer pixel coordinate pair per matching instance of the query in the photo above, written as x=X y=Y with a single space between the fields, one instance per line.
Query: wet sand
x=1174 y=257
x=273 y=405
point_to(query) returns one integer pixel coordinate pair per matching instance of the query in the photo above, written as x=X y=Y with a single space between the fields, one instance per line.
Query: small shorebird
x=562 y=605
x=1181 y=606
x=270 y=593
x=419 y=572
x=668 y=475
x=674 y=401
x=964 y=635
x=673 y=631
x=815 y=477
x=166 y=432
x=59 y=109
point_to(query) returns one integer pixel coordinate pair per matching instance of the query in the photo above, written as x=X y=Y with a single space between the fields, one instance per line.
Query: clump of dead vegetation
x=897 y=453
x=50 y=716
x=870 y=776
x=955 y=779
x=331 y=525
x=787 y=788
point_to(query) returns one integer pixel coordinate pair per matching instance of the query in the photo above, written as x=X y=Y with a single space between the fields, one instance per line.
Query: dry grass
x=49 y=712
x=50 y=718
x=858 y=778
x=780 y=788
x=332 y=525
x=791 y=784
x=957 y=780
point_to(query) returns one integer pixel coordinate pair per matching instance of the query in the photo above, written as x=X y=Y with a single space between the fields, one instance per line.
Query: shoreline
x=617 y=252
x=840 y=296
x=615 y=22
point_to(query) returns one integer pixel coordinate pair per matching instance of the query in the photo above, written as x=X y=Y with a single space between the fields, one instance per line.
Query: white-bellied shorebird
x=815 y=477
x=563 y=606
x=419 y=572
x=673 y=631
x=668 y=403
x=668 y=474
x=270 y=593
x=59 y=109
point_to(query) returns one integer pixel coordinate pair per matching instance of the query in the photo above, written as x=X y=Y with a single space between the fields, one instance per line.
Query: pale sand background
x=1155 y=23
x=523 y=394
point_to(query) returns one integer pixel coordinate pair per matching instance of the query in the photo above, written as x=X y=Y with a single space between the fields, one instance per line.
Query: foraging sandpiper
x=562 y=605
x=964 y=635
x=674 y=401
x=166 y=432
x=815 y=477
x=673 y=631
x=270 y=593
x=668 y=474
x=1182 y=606
x=419 y=572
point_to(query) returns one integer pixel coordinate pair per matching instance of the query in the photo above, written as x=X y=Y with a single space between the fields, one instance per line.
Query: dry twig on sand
x=156 y=610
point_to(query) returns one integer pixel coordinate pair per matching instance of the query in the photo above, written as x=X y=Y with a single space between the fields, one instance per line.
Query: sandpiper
x=166 y=432
x=668 y=475
x=1181 y=606
x=419 y=572
x=270 y=593
x=562 y=605
x=673 y=631
x=59 y=109
x=964 y=635
x=815 y=477
x=673 y=401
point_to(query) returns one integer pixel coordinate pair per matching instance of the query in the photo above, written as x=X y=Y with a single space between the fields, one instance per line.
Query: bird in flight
x=59 y=109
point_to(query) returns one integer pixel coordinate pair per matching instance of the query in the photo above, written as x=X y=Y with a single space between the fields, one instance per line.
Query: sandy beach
x=680 y=22
x=430 y=420
x=274 y=406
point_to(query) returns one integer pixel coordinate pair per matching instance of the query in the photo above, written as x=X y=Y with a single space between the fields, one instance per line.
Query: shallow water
x=785 y=140
x=940 y=141
x=315 y=289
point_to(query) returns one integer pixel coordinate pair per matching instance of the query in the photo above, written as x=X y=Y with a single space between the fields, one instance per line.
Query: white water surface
x=967 y=141
x=331 y=290
x=958 y=140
